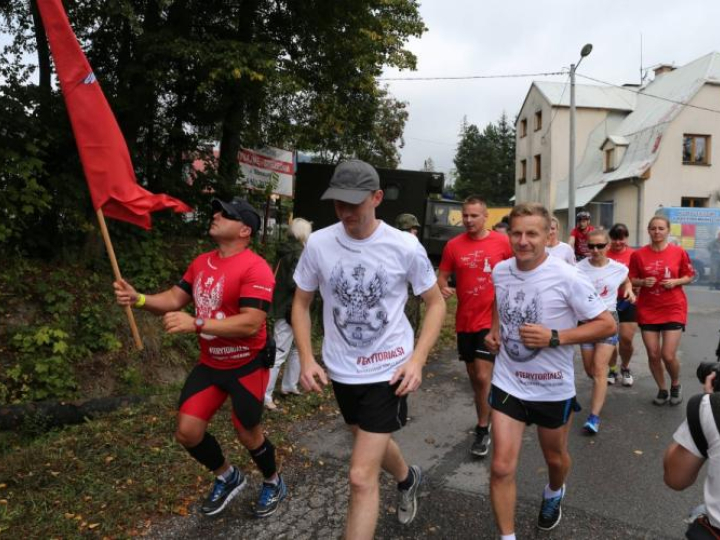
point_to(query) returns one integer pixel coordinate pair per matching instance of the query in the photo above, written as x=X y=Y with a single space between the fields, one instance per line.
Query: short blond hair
x=530 y=209
x=300 y=229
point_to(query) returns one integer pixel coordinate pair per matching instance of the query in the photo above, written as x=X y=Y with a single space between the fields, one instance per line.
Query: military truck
x=413 y=192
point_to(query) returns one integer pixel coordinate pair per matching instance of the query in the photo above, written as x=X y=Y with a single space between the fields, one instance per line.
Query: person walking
x=362 y=267
x=471 y=256
x=298 y=234
x=609 y=279
x=409 y=223
x=231 y=288
x=660 y=270
x=620 y=251
x=578 y=236
x=555 y=247
x=539 y=300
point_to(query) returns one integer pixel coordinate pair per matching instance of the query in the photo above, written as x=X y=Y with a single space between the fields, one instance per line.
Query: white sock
x=510 y=536
x=550 y=494
x=227 y=474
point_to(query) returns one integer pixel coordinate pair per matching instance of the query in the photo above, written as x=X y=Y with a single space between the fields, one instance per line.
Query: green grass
x=110 y=477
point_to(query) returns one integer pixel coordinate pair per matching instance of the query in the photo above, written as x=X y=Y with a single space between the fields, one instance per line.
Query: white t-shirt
x=562 y=251
x=364 y=288
x=712 y=482
x=554 y=295
x=606 y=279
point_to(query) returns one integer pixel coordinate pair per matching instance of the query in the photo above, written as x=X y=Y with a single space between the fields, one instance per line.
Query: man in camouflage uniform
x=409 y=223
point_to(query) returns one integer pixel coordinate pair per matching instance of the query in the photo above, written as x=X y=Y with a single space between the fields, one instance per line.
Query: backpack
x=693 y=418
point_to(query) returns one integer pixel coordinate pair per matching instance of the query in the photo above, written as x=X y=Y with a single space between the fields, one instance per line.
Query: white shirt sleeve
x=683 y=437
x=306 y=274
x=585 y=301
x=421 y=274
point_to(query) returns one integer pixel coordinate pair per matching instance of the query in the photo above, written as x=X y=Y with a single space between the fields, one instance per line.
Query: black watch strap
x=554 y=338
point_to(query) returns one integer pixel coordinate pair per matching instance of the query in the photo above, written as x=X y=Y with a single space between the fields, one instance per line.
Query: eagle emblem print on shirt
x=360 y=317
x=208 y=295
x=516 y=309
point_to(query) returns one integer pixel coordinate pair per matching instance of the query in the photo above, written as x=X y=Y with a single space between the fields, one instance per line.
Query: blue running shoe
x=592 y=426
x=270 y=497
x=551 y=512
x=222 y=493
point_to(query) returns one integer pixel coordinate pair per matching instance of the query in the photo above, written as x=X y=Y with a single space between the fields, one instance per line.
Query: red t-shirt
x=581 y=240
x=656 y=304
x=220 y=287
x=622 y=257
x=473 y=261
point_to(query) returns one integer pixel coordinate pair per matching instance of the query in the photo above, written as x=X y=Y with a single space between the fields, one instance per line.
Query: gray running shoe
x=676 y=396
x=407 y=498
x=481 y=445
x=662 y=397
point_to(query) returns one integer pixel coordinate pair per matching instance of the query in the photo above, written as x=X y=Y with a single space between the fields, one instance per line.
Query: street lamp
x=586 y=50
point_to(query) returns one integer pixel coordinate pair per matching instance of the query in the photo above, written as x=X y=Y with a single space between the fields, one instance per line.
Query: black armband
x=185 y=286
x=256 y=303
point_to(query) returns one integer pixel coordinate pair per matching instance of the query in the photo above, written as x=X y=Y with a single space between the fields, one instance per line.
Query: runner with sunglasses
x=660 y=269
x=609 y=278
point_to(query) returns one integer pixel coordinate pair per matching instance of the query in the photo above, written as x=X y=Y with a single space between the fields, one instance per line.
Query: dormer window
x=610 y=159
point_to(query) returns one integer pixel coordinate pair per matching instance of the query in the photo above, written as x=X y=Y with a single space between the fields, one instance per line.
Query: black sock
x=208 y=453
x=408 y=482
x=264 y=458
x=482 y=430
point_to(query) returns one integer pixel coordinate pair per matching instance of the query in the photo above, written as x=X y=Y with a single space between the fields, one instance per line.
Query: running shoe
x=270 y=497
x=612 y=376
x=222 y=492
x=481 y=445
x=662 y=397
x=407 y=498
x=627 y=378
x=551 y=512
x=270 y=405
x=676 y=396
x=592 y=426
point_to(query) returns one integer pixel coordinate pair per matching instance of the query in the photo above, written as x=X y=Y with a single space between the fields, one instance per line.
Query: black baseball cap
x=352 y=182
x=239 y=210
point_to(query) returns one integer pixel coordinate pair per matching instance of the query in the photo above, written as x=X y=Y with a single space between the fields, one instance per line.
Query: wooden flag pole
x=118 y=277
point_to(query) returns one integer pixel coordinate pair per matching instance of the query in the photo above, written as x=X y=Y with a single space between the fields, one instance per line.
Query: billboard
x=266 y=165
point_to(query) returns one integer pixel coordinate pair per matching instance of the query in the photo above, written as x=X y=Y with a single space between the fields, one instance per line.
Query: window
x=609 y=159
x=523 y=171
x=695 y=202
x=538 y=121
x=537 y=164
x=391 y=192
x=696 y=149
x=523 y=127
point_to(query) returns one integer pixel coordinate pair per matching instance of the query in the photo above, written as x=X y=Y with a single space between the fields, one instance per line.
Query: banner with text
x=261 y=167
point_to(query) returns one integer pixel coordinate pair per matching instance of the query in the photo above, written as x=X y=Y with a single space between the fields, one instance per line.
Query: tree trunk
x=43 y=53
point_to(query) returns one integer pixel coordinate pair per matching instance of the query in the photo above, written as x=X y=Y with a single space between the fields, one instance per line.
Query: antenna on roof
x=641 y=61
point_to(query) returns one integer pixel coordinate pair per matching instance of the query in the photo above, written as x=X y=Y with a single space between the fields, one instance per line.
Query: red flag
x=103 y=152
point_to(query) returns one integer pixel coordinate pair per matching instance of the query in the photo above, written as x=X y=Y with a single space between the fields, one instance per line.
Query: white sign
x=261 y=167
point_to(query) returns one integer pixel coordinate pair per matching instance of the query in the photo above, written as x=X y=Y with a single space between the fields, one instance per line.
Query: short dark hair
x=619 y=231
x=530 y=209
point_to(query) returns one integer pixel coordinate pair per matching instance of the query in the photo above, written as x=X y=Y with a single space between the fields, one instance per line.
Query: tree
x=485 y=162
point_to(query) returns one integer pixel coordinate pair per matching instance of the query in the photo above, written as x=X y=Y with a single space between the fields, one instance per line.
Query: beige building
x=637 y=149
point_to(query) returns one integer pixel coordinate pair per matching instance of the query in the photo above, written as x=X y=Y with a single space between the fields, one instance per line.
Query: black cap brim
x=350 y=196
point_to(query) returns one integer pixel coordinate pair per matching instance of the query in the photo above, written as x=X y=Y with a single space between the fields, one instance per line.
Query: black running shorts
x=662 y=327
x=547 y=414
x=372 y=407
x=627 y=313
x=207 y=388
x=471 y=345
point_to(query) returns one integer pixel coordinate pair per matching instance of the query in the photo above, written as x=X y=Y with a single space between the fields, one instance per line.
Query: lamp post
x=586 y=50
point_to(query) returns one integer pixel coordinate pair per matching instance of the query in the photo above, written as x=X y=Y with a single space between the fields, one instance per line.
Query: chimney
x=663 y=68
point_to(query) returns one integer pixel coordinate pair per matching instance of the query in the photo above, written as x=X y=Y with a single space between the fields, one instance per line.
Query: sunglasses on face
x=224 y=214
x=597 y=246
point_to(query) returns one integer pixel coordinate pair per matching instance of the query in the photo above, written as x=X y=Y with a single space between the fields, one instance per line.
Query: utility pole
x=586 y=50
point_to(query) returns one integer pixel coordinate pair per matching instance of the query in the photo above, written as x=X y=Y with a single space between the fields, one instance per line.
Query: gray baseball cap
x=352 y=182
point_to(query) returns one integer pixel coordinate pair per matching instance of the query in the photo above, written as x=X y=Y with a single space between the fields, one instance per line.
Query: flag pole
x=118 y=277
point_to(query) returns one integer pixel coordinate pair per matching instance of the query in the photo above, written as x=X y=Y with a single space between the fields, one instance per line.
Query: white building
x=637 y=148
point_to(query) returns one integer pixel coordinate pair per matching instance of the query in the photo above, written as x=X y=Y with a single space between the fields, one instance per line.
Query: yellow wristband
x=140 y=301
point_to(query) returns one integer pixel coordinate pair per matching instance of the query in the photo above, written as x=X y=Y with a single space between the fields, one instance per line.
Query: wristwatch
x=554 y=338
x=199 y=323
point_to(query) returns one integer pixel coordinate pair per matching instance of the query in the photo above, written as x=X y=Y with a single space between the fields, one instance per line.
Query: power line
x=472 y=77
x=640 y=93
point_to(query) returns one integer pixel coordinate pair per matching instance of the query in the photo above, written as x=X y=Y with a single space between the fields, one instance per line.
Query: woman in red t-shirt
x=660 y=270
x=620 y=251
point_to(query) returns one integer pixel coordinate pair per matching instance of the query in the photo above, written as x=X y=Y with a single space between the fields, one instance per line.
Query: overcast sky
x=476 y=37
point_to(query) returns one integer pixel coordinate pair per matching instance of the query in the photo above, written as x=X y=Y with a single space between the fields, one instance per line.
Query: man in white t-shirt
x=362 y=267
x=683 y=460
x=539 y=301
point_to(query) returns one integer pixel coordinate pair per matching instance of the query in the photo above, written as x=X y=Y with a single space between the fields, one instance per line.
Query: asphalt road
x=615 y=489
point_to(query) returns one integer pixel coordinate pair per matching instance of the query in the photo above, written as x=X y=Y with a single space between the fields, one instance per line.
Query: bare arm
x=302 y=327
x=602 y=326
x=443 y=277
x=571 y=241
x=681 y=467
x=246 y=323
x=492 y=340
x=411 y=371
x=171 y=300
x=627 y=291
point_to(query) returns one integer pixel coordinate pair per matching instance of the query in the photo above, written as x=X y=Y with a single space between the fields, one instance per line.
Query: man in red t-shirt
x=579 y=235
x=232 y=289
x=471 y=256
